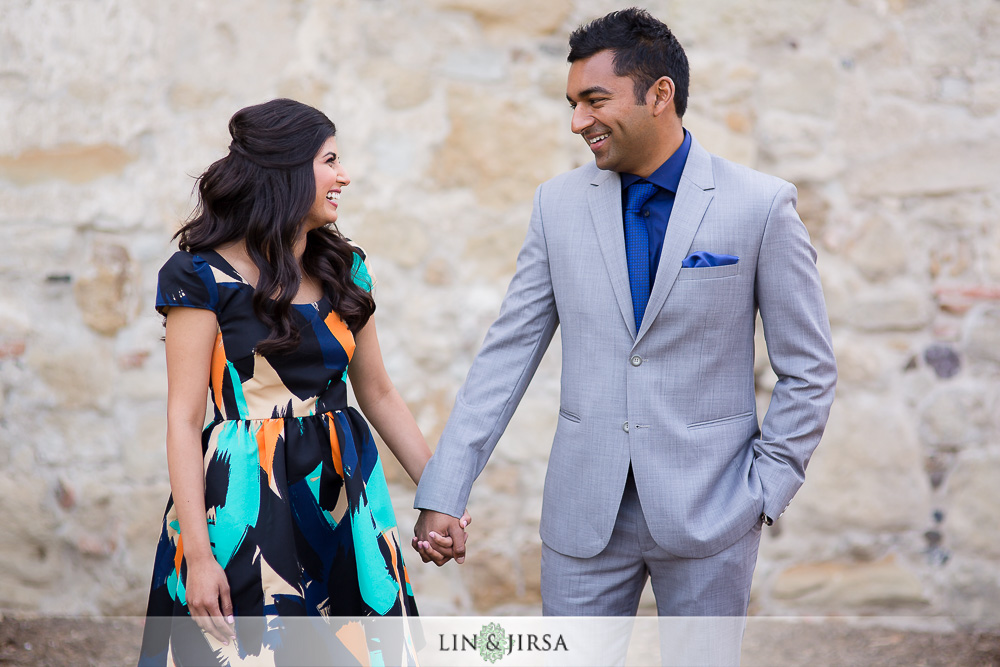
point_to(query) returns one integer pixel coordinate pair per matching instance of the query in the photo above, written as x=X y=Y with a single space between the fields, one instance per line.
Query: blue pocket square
x=703 y=259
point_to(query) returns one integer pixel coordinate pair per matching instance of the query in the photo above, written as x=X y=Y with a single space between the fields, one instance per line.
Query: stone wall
x=883 y=112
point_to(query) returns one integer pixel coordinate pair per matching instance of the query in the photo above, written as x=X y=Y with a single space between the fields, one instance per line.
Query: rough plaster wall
x=883 y=112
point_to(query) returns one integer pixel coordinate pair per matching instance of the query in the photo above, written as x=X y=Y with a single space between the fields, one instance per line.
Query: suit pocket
x=720 y=421
x=709 y=272
x=569 y=415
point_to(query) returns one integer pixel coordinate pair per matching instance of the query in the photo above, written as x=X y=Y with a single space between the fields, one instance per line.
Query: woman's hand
x=208 y=599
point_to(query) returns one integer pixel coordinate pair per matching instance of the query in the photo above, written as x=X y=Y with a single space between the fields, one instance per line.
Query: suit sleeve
x=797 y=333
x=499 y=376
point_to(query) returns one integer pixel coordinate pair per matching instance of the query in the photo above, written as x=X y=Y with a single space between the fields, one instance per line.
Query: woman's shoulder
x=360 y=273
x=193 y=279
x=207 y=264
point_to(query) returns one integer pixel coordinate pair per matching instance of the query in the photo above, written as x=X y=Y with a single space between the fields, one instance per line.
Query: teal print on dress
x=236 y=446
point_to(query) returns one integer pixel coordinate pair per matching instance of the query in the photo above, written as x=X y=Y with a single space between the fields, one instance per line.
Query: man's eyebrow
x=589 y=92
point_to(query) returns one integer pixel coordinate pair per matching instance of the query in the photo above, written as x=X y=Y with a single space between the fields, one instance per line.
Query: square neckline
x=229 y=268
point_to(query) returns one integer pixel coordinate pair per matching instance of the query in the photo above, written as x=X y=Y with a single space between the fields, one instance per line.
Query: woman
x=279 y=507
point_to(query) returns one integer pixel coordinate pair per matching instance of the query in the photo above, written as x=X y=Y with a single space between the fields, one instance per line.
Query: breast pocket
x=709 y=272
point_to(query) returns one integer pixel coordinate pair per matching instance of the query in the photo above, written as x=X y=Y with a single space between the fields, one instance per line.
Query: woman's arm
x=190 y=340
x=387 y=412
x=383 y=406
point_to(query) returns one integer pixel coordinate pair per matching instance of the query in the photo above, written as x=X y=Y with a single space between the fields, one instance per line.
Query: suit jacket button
x=625 y=427
x=636 y=360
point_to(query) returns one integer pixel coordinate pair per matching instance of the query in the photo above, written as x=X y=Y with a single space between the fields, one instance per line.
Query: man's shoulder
x=732 y=174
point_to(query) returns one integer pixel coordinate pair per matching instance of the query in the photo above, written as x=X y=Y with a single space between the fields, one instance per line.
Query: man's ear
x=662 y=91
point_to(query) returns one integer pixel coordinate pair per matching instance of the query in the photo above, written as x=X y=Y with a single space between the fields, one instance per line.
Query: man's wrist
x=766 y=520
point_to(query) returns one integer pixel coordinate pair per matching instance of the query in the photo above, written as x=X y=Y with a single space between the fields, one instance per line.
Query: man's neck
x=669 y=143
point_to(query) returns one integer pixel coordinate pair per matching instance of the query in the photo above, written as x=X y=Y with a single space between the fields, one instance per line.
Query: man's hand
x=440 y=537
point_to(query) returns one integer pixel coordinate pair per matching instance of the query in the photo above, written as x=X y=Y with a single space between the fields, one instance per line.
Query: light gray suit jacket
x=676 y=398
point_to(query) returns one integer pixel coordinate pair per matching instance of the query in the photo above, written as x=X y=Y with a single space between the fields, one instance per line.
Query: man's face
x=621 y=133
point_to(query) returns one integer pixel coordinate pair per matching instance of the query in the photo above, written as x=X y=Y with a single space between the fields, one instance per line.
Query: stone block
x=943 y=359
x=405 y=87
x=478 y=153
x=82 y=439
x=803 y=85
x=74 y=163
x=880 y=251
x=29 y=541
x=498 y=580
x=105 y=292
x=974 y=592
x=850 y=586
x=15 y=323
x=851 y=30
x=138 y=509
x=494 y=250
x=79 y=373
x=518 y=17
x=971 y=522
x=981 y=334
x=867 y=473
x=440 y=591
x=928 y=170
x=393 y=235
x=899 y=305
x=144 y=448
x=481 y=65
x=861 y=362
x=953 y=416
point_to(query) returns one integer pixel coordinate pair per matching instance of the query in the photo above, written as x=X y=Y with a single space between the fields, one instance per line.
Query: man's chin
x=605 y=162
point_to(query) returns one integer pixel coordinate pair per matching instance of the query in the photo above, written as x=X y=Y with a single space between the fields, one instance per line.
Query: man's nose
x=581 y=120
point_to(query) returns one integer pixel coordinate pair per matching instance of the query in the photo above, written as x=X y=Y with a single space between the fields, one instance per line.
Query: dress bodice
x=244 y=384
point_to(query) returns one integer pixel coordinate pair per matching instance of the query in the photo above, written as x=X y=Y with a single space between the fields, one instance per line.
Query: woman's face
x=330 y=179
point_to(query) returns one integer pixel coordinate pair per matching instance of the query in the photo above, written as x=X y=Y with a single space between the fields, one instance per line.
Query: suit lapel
x=605 y=199
x=694 y=194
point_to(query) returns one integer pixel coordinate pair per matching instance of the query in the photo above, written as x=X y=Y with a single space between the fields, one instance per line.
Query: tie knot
x=638 y=194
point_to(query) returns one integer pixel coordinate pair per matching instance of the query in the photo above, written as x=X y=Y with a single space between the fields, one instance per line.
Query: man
x=653 y=262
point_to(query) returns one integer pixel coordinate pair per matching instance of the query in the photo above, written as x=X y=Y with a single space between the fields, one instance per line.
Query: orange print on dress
x=267 y=441
x=338 y=465
x=340 y=331
x=179 y=555
x=218 y=371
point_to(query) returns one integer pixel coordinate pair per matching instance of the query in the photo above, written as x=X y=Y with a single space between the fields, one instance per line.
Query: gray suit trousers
x=610 y=583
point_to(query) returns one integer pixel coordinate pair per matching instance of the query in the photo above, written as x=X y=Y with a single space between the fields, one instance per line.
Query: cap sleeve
x=359 y=271
x=186 y=280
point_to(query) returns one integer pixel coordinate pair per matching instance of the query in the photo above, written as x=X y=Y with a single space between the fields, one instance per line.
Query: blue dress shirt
x=657 y=210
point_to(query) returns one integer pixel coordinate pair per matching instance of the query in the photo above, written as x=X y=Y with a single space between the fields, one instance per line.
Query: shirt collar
x=668 y=175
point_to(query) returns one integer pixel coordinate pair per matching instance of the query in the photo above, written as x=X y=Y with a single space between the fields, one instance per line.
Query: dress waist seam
x=328 y=413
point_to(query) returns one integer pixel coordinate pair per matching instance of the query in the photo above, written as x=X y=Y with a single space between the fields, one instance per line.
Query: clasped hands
x=439 y=537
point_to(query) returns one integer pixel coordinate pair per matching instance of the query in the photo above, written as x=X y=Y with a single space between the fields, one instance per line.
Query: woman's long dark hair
x=261 y=193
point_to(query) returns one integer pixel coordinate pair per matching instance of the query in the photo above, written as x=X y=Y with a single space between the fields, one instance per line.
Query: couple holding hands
x=652 y=262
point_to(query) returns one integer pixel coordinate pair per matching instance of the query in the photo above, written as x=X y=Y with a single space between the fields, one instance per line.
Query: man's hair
x=644 y=49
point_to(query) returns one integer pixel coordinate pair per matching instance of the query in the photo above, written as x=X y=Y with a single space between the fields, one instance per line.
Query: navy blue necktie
x=637 y=246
